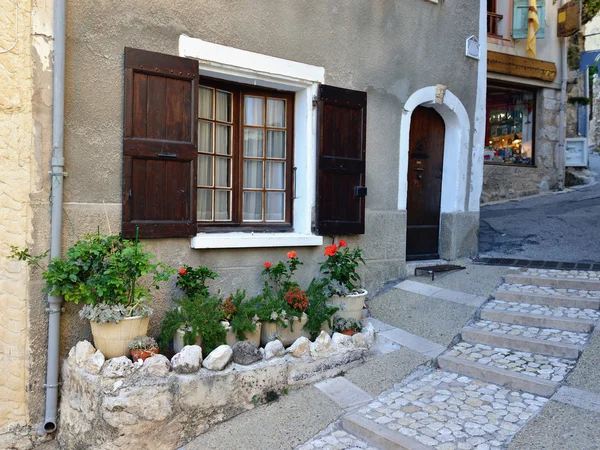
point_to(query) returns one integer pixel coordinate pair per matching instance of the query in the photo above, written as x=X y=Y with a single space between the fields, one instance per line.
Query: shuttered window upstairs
x=341 y=191
x=160 y=149
x=521 y=18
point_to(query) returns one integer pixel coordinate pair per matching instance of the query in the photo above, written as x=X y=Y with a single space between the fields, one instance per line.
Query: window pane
x=510 y=120
x=275 y=178
x=205 y=137
x=254 y=109
x=253 y=174
x=275 y=206
x=222 y=205
x=205 y=204
x=223 y=172
x=275 y=144
x=223 y=139
x=223 y=106
x=275 y=113
x=205 y=170
x=252 y=206
x=205 y=103
x=253 y=142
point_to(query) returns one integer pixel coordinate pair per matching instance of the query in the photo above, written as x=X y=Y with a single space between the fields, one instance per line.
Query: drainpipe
x=56 y=202
x=562 y=125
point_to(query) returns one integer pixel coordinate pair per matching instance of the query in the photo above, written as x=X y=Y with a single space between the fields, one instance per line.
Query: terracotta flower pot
x=348 y=332
x=142 y=354
x=178 y=340
x=112 y=339
x=351 y=306
x=253 y=338
x=287 y=336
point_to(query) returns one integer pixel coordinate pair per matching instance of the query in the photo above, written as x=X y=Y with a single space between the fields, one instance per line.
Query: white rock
x=79 y=354
x=218 y=358
x=274 y=349
x=322 y=346
x=300 y=348
x=341 y=341
x=369 y=333
x=118 y=367
x=94 y=363
x=187 y=360
x=156 y=366
x=359 y=340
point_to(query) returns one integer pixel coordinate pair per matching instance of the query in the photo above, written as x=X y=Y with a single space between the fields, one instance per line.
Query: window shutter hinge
x=315 y=101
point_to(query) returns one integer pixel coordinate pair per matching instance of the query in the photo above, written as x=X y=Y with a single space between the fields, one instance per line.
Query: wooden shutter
x=159 y=145
x=341 y=191
x=521 y=20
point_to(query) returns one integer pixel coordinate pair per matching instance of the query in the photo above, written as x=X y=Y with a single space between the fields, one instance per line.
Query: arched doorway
x=425 y=169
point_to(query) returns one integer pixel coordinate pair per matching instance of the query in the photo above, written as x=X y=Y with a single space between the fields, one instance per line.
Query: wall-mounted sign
x=520 y=66
x=576 y=152
x=569 y=19
x=472 y=48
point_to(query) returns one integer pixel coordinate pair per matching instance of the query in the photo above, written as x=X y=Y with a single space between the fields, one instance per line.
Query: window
x=510 y=125
x=244 y=157
x=493 y=19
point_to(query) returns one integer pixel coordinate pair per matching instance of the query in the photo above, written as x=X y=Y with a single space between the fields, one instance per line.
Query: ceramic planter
x=136 y=355
x=351 y=306
x=253 y=338
x=348 y=332
x=287 y=336
x=178 y=340
x=112 y=338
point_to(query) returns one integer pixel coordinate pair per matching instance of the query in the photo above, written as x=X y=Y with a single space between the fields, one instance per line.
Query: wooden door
x=425 y=161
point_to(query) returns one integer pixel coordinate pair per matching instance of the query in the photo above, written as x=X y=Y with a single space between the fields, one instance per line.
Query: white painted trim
x=456 y=147
x=230 y=57
x=479 y=121
x=254 y=240
x=242 y=66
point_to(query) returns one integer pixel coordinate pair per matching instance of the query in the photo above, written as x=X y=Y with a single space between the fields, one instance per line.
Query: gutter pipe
x=56 y=202
x=562 y=125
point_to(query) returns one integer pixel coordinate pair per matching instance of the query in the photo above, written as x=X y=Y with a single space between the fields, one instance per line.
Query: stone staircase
x=511 y=359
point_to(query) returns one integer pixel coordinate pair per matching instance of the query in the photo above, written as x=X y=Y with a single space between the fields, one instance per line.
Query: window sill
x=254 y=240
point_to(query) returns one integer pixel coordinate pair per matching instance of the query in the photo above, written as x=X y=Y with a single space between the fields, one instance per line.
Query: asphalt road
x=561 y=226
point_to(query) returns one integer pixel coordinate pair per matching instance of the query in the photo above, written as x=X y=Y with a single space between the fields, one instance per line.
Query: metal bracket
x=55 y=311
x=52 y=385
x=64 y=174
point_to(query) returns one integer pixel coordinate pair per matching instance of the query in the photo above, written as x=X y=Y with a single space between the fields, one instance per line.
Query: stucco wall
x=386 y=48
x=505 y=181
x=16 y=167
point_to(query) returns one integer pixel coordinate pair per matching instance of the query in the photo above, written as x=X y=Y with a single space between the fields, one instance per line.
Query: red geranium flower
x=291 y=254
x=342 y=243
x=331 y=250
x=182 y=271
x=267 y=265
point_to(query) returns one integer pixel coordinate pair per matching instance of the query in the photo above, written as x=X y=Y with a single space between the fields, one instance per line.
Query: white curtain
x=254 y=108
x=204 y=208
x=275 y=144
x=253 y=142
x=275 y=113
x=252 y=205
x=275 y=175
x=222 y=205
x=275 y=206
x=223 y=106
x=253 y=174
x=205 y=103
x=223 y=139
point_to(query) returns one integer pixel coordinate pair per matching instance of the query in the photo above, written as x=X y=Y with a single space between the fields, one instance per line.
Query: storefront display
x=510 y=125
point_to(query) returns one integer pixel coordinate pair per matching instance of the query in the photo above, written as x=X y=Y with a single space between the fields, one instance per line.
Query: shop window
x=510 y=126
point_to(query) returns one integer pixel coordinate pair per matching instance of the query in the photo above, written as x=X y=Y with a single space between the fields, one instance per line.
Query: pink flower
x=342 y=243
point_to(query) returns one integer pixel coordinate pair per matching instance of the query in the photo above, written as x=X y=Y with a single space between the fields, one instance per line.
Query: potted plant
x=113 y=277
x=192 y=282
x=240 y=319
x=283 y=304
x=343 y=280
x=347 y=326
x=142 y=347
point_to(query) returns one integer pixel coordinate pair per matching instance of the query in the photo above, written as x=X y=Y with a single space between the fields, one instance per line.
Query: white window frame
x=241 y=66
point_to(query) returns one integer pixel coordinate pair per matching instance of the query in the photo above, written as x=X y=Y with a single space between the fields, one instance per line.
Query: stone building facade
x=295 y=47
x=541 y=169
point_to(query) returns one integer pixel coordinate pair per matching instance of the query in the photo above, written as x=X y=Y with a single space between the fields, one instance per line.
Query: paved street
x=557 y=227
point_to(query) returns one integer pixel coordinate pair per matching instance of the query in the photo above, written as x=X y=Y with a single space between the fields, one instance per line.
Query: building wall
x=505 y=181
x=16 y=126
x=379 y=47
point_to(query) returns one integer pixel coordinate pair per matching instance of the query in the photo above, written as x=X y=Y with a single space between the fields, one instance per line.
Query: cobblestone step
x=530 y=372
x=333 y=438
x=475 y=335
x=548 y=290
x=549 y=300
x=559 y=279
x=538 y=320
x=445 y=411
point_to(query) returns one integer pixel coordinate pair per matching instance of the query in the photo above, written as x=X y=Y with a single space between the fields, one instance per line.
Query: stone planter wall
x=120 y=405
